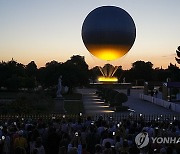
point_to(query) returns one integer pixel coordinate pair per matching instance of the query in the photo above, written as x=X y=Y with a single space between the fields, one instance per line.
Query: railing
x=169 y=105
x=114 y=117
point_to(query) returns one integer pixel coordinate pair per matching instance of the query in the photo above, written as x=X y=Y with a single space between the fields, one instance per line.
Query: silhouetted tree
x=13 y=74
x=3 y=73
x=160 y=74
x=31 y=73
x=49 y=75
x=75 y=72
x=14 y=68
x=31 y=69
x=142 y=70
x=94 y=73
x=174 y=72
x=13 y=83
x=41 y=72
x=120 y=73
x=79 y=61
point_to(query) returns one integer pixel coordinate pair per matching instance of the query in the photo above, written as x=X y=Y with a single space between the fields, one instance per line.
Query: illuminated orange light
x=104 y=106
x=98 y=102
x=107 y=79
x=108 y=52
x=108 y=111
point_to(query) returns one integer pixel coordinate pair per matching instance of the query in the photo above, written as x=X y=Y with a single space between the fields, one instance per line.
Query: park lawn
x=74 y=106
x=73 y=103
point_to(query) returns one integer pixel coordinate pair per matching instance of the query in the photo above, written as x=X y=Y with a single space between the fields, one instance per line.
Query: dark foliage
x=142 y=71
x=113 y=98
x=15 y=76
x=75 y=72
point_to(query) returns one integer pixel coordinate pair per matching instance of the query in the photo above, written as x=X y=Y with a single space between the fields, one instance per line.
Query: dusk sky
x=46 y=30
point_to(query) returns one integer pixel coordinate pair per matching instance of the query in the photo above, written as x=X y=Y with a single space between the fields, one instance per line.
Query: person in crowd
x=109 y=139
x=38 y=148
x=125 y=147
x=19 y=150
x=72 y=150
x=92 y=138
x=53 y=141
x=20 y=141
x=75 y=143
x=98 y=149
x=84 y=150
x=119 y=143
x=84 y=136
x=6 y=141
x=107 y=149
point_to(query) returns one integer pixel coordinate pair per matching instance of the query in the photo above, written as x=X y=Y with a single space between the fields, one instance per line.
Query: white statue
x=124 y=80
x=58 y=94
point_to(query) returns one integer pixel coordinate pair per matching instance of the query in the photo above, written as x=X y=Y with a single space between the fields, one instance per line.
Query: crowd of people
x=84 y=136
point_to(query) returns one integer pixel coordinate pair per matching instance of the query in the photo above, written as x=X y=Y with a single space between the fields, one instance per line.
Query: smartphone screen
x=3 y=137
x=76 y=134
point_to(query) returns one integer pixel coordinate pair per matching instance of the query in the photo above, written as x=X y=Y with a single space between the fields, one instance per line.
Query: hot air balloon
x=108 y=32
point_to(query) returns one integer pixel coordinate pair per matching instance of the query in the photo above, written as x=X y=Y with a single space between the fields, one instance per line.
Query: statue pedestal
x=59 y=105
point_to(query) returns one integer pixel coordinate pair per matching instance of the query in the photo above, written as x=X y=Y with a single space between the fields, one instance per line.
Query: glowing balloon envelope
x=108 y=32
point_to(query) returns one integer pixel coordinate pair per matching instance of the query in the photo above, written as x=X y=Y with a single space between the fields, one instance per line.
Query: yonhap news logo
x=142 y=140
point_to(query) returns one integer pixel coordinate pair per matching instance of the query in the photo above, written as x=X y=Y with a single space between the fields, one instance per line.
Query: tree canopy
x=75 y=72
